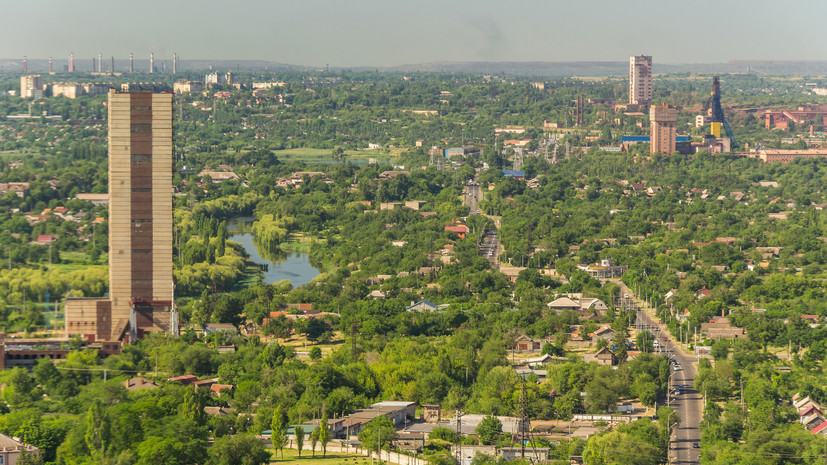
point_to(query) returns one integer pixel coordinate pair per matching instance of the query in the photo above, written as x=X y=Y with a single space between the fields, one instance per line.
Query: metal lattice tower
x=718 y=111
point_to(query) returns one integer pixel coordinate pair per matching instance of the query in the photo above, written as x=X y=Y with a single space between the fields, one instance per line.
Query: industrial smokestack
x=25 y=64
x=112 y=66
x=50 y=65
x=131 y=63
x=100 y=62
x=151 y=63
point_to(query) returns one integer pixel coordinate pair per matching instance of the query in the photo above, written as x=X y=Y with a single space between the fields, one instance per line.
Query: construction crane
x=718 y=119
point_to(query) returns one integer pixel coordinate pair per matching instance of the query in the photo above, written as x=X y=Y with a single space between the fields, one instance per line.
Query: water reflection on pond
x=285 y=264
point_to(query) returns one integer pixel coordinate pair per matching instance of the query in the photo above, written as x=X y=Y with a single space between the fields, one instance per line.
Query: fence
x=334 y=446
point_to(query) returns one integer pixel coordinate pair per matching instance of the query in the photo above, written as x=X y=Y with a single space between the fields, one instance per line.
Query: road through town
x=489 y=245
x=687 y=401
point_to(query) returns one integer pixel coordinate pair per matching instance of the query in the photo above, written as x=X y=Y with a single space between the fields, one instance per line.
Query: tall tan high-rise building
x=662 y=119
x=140 y=199
x=640 y=80
x=140 y=224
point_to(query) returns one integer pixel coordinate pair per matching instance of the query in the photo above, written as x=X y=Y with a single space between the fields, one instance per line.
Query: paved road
x=473 y=194
x=490 y=245
x=689 y=402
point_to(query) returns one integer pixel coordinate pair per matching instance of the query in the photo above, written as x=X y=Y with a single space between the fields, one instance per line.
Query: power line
x=118 y=370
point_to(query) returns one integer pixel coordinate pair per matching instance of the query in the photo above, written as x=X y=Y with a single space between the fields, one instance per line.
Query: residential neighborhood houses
x=555 y=292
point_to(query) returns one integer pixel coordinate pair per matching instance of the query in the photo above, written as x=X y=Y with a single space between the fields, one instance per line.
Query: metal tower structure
x=518 y=160
x=523 y=433
x=718 y=117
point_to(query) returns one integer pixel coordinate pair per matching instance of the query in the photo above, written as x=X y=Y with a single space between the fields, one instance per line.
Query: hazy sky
x=394 y=32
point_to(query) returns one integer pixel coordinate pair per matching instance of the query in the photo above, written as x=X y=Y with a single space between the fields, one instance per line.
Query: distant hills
x=540 y=69
x=612 y=68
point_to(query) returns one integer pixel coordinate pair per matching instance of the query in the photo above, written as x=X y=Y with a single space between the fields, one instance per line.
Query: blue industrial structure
x=625 y=139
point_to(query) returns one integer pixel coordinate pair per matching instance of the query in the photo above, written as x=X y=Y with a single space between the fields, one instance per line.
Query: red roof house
x=459 y=227
x=185 y=379
x=45 y=239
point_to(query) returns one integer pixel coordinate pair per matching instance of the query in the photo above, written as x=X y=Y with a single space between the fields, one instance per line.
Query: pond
x=287 y=264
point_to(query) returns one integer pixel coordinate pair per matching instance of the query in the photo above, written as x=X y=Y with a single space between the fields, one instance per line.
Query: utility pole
x=669 y=419
x=459 y=432
x=522 y=419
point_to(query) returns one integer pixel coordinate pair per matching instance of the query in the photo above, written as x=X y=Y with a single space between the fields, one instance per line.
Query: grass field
x=310 y=155
x=72 y=261
x=291 y=456
x=17 y=154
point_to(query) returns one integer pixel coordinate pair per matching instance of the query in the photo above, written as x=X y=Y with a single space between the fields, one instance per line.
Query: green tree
x=378 y=434
x=299 y=431
x=668 y=418
x=489 y=429
x=192 y=408
x=97 y=430
x=278 y=426
x=29 y=458
x=720 y=349
x=46 y=374
x=324 y=434
x=645 y=341
x=446 y=434
x=646 y=389
x=316 y=353
x=314 y=439
x=154 y=450
x=601 y=392
x=620 y=448
x=20 y=389
x=241 y=449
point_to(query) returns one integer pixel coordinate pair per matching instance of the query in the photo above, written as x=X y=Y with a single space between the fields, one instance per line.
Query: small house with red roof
x=45 y=239
x=811 y=410
x=701 y=293
x=216 y=389
x=812 y=421
x=820 y=429
x=459 y=227
x=184 y=379
x=204 y=383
